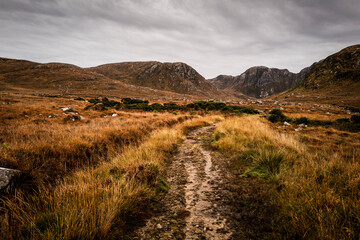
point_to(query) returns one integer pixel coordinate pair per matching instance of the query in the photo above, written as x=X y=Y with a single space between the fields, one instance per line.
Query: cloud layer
x=215 y=37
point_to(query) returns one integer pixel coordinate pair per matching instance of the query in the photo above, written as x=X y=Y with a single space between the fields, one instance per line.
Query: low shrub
x=276 y=115
x=302 y=120
x=79 y=99
x=355 y=118
x=128 y=103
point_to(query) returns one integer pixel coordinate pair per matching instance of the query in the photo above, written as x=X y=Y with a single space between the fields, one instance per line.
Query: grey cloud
x=215 y=37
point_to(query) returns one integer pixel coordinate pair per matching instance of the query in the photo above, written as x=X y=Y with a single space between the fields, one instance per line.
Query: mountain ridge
x=178 y=77
x=63 y=78
x=332 y=80
x=260 y=81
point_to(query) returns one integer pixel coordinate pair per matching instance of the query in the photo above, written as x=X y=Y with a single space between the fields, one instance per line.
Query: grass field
x=316 y=189
x=95 y=176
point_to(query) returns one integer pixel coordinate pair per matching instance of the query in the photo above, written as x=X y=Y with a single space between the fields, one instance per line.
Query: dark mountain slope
x=333 y=80
x=260 y=81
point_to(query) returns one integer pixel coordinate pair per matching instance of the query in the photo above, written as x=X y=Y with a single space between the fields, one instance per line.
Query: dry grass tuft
x=317 y=191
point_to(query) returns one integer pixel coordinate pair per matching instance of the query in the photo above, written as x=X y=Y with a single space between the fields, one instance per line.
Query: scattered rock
x=159 y=226
x=114 y=115
x=71 y=118
x=8 y=178
x=68 y=109
x=287 y=124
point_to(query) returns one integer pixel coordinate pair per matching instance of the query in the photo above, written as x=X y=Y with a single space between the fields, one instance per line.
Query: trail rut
x=207 y=200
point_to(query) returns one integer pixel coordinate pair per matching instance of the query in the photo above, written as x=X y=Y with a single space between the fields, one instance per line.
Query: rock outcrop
x=260 y=81
x=8 y=179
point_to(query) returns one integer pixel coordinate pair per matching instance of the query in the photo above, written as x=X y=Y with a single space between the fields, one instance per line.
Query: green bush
x=133 y=101
x=355 y=118
x=302 y=120
x=276 y=115
x=129 y=103
x=79 y=99
x=276 y=111
x=274 y=118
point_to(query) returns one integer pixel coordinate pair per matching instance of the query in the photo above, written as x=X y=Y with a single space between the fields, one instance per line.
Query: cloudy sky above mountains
x=213 y=36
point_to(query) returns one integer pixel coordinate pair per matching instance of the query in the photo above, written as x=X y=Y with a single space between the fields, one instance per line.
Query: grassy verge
x=317 y=191
x=100 y=202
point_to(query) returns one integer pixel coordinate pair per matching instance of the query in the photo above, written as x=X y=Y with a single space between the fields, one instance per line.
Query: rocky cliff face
x=260 y=82
x=341 y=67
x=176 y=77
x=333 y=80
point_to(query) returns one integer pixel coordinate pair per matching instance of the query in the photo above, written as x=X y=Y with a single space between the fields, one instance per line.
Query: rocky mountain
x=341 y=67
x=138 y=79
x=260 y=81
x=176 y=77
x=333 y=80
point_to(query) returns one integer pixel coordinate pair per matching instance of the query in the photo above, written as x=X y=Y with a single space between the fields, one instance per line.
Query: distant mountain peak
x=259 y=81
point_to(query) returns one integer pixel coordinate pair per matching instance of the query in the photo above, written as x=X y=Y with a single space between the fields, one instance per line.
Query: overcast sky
x=213 y=36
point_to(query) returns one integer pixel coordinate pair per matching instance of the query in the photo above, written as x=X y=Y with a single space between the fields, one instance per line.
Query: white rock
x=287 y=124
x=114 y=115
x=298 y=129
x=159 y=226
x=81 y=117
x=68 y=109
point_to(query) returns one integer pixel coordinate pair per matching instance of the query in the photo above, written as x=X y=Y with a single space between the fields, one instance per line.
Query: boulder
x=68 y=109
x=8 y=178
x=287 y=124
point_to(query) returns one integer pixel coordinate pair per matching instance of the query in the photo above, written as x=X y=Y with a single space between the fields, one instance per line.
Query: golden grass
x=45 y=149
x=319 y=116
x=318 y=191
x=100 y=202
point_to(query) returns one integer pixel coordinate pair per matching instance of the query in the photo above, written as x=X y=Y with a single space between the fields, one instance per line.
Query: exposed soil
x=207 y=199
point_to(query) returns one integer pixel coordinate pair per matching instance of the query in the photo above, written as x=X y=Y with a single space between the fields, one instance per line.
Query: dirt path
x=203 y=202
x=204 y=220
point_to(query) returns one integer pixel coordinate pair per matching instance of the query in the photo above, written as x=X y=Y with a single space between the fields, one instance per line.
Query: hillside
x=170 y=81
x=333 y=80
x=176 y=77
x=260 y=81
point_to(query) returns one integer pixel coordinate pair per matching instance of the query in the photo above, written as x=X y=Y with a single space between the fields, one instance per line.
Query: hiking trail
x=200 y=202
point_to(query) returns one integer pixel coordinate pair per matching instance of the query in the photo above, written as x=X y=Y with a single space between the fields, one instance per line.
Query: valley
x=150 y=150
